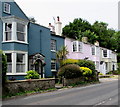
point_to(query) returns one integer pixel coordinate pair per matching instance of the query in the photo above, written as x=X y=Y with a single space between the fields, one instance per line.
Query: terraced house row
x=30 y=46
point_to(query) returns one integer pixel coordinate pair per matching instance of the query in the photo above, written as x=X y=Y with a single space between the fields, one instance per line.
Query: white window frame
x=53 y=61
x=14 y=59
x=103 y=53
x=14 y=22
x=53 y=45
x=75 y=46
x=78 y=46
x=8 y=6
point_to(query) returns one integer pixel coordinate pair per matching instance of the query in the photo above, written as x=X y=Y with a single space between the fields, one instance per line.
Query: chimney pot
x=58 y=18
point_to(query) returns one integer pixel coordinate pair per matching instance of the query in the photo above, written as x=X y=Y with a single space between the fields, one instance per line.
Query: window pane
x=105 y=53
x=8 y=26
x=20 y=66
x=53 y=65
x=20 y=57
x=93 y=50
x=9 y=59
x=9 y=62
x=6 y=7
x=8 y=36
x=20 y=27
x=80 y=47
x=53 y=45
x=20 y=36
x=74 y=46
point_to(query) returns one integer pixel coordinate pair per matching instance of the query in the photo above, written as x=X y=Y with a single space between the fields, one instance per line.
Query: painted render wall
x=59 y=44
x=86 y=51
x=39 y=42
x=14 y=10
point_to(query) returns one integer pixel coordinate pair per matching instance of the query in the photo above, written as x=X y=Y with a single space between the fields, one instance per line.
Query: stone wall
x=13 y=87
x=67 y=82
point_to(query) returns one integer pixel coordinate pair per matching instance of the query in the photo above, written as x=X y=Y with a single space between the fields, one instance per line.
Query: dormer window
x=7 y=8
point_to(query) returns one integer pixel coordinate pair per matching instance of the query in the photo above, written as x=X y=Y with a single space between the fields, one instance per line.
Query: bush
x=118 y=66
x=69 y=71
x=32 y=75
x=82 y=63
x=87 y=63
x=116 y=72
x=69 y=61
x=4 y=67
x=86 y=71
x=101 y=74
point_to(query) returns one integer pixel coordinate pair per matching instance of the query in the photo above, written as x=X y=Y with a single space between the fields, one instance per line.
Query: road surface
x=105 y=93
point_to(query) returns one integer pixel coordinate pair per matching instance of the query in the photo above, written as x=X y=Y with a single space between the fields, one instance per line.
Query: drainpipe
x=40 y=42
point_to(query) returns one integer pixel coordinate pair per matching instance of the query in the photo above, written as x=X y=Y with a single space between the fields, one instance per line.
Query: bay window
x=14 y=30
x=17 y=62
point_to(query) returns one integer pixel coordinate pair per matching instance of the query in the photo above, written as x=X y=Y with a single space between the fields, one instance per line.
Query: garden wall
x=28 y=85
x=67 y=82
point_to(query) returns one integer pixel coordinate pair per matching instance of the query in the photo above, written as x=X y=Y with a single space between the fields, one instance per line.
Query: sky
x=91 y=10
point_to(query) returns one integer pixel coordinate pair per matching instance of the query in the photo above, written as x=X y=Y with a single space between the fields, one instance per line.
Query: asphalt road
x=105 y=93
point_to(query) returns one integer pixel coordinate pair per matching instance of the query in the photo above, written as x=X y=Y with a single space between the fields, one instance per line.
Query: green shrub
x=69 y=61
x=86 y=71
x=118 y=66
x=69 y=71
x=115 y=72
x=82 y=63
x=4 y=67
x=101 y=74
x=87 y=63
x=32 y=75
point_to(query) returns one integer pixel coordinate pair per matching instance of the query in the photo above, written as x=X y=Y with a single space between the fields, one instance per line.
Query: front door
x=38 y=67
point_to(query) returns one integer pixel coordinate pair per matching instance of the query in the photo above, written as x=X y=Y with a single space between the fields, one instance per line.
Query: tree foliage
x=98 y=31
x=62 y=54
x=4 y=67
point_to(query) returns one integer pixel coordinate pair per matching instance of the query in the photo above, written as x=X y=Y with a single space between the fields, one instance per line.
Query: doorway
x=38 y=67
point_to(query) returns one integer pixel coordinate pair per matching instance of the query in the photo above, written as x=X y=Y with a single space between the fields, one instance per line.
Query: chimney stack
x=58 y=27
x=51 y=27
x=85 y=39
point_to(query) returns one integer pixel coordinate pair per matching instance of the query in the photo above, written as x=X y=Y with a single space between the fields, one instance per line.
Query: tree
x=62 y=54
x=4 y=67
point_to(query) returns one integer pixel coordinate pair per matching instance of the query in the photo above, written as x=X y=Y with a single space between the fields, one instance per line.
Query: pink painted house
x=105 y=60
x=83 y=50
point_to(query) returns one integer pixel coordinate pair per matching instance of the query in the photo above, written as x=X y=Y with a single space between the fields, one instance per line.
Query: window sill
x=14 y=41
x=16 y=73
x=53 y=50
x=77 y=52
x=54 y=70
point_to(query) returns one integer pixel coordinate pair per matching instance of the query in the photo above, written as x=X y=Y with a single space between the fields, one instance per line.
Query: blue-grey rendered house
x=27 y=45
